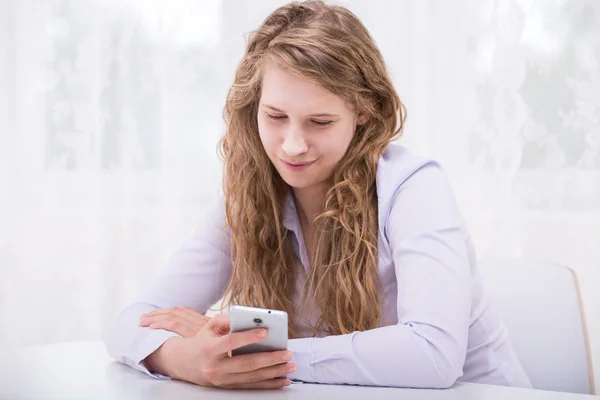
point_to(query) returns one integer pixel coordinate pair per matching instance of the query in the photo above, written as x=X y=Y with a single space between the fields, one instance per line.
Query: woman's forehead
x=289 y=92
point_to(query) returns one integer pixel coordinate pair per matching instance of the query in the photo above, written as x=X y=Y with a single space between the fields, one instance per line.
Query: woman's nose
x=294 y=144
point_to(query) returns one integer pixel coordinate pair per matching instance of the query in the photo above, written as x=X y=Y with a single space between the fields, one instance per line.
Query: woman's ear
x=362 y=118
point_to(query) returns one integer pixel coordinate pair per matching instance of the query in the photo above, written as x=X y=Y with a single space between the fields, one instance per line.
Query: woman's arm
x=427 y=347
x=196 y=276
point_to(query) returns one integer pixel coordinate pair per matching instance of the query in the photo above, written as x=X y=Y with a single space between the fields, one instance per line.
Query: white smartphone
x=242 y=318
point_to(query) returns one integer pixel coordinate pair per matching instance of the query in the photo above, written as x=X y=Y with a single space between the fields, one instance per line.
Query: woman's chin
x=297 y=181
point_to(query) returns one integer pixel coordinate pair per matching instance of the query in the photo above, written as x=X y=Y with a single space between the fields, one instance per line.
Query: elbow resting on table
x=431 y=374
x=431 y=357
x=445 y=366
x=446 y=380
x=435 y=378
x=409 y=355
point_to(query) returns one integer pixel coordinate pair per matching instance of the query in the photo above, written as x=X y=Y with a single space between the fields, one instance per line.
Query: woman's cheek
x=269 y=138
x=335 y=144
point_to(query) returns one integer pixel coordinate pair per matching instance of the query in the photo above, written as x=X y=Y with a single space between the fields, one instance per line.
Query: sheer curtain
x=110 y=112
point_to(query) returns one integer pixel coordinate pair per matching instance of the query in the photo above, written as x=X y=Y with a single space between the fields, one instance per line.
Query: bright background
x=110 y=112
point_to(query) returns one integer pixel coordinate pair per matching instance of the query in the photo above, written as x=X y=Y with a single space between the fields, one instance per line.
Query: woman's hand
x=204 y=359
x=181 y=320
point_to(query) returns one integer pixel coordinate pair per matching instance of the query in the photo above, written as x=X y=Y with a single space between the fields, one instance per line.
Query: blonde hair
x=329 y=45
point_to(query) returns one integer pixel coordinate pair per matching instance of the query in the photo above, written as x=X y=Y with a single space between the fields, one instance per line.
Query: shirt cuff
x=301 y=350
x=145 y=346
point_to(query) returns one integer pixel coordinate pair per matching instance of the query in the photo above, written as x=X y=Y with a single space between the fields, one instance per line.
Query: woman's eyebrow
x=324 y=115
x=272 y=108
x=312 y=115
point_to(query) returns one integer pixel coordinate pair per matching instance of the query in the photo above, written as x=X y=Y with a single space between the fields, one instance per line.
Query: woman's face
x=304 y=128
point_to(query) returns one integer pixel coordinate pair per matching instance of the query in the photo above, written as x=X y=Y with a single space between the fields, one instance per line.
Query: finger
x=147 y=321
x=183 y=311
x=236 y=340
x=172 y=326
x=193 y=312
x=252 y=362
x=268 y=384
x=219 y=324
x=262 y=374
x=190 y=314
x=160 y=311
x=181 y=329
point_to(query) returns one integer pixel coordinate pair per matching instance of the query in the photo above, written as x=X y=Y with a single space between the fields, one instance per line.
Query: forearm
x=400 y=356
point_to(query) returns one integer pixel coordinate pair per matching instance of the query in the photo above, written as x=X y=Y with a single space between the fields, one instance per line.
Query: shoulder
x=398 y=167
x=415 y=188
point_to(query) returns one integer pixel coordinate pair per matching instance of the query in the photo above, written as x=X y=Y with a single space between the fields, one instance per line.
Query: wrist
x=162 y=360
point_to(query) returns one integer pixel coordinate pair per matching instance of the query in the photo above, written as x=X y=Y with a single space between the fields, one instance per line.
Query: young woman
x=359 y=240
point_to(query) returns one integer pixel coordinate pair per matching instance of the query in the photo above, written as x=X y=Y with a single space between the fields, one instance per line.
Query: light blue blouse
x=439 y=325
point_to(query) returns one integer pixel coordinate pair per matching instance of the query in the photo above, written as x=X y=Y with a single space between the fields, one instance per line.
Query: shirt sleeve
x=427 y=347
x=196 y=276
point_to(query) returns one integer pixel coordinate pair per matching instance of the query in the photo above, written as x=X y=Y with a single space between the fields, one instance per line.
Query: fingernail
x=287 y=356
x=262 y=333
x=288 y=383
x=291 y=368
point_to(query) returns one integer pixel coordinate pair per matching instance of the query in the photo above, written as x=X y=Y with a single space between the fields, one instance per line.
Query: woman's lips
x=297 y=166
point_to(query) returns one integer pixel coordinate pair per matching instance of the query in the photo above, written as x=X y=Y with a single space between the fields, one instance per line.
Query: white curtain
x=110 y=112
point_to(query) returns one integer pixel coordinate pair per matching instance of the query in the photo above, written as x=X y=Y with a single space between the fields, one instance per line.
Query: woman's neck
x=309 y=202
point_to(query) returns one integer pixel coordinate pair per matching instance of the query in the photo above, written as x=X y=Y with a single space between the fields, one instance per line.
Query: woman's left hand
x=181 y=320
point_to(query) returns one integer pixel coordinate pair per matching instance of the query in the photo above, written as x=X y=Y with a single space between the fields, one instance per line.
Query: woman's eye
x=319 y=123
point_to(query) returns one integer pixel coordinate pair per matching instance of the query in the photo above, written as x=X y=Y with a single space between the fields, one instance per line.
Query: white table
x=83 y=370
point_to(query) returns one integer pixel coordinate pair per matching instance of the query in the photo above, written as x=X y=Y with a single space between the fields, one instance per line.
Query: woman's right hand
x=204 y=359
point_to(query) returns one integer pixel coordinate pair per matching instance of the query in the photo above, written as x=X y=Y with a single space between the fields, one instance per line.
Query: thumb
x=219 y=324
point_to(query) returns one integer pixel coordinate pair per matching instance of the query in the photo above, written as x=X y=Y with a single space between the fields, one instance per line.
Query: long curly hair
x=329 y=45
